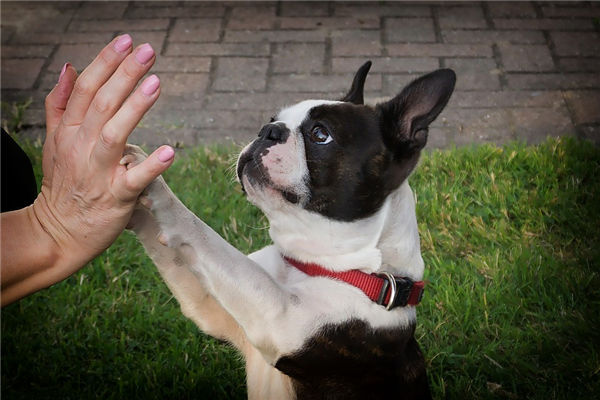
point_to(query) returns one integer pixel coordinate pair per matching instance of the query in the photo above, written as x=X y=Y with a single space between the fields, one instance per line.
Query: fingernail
x=123 y=43
x=166 y=154
x=150 y=85
x=144 y=53
x=63 y=70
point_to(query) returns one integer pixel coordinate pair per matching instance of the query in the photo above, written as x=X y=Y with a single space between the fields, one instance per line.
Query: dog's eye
x=272 y=120
x=319 y=135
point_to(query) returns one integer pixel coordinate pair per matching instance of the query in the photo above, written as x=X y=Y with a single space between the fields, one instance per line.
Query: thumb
x=56 y=101
x=140 y=176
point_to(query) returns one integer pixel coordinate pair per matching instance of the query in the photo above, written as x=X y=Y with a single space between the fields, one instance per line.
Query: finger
x=113 y=93
x=109 y=147
x=136 y=179
x=94 y=76
x=56 y=101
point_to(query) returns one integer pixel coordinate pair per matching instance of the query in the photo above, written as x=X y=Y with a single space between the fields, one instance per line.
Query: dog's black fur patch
x=354 y=361
x=373 y=149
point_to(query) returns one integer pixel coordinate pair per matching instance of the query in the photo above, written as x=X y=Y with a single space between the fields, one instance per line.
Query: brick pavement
x=525 y=70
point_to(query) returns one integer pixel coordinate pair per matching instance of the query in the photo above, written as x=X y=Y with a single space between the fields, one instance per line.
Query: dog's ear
x=355 y=95
x=406 y=117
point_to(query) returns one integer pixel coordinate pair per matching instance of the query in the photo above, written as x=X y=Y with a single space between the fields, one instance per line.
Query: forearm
x=31 y=259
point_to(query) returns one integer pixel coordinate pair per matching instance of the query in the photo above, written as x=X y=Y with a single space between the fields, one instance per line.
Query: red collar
x=378 y=287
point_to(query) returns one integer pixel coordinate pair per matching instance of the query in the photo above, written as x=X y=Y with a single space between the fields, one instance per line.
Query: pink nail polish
x=166 y=154
x=123 y=43
x=150 y=85
x=144 y=53
x=63 y=70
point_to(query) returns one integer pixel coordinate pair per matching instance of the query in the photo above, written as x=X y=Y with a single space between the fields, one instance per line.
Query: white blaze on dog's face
x=341 y=159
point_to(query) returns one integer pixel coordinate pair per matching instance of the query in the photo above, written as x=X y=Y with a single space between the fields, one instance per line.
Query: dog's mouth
x=257 y=177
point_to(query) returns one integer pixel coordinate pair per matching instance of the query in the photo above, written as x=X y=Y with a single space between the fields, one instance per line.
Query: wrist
x=54 y=238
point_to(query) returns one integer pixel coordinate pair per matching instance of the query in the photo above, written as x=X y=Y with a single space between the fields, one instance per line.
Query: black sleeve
x=18 y=185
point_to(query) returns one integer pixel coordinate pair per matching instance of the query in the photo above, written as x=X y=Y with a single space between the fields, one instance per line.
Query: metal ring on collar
x=393 y=288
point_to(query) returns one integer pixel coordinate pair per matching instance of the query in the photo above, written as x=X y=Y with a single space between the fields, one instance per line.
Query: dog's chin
x=263 y=193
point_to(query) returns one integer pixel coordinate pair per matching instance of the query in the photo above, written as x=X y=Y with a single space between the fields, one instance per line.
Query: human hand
x=87 y=197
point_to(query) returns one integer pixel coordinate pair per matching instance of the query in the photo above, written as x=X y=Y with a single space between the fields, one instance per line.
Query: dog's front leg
x=217 y=286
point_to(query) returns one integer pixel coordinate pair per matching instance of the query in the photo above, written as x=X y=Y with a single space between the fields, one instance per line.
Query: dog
x=328 y=310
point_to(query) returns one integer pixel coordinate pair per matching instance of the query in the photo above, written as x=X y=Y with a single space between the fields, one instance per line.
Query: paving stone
x=439 y=138
x=304 y=9
x=112 y=25
x=181 y=64
x=153 y=136
x=575 y=64
x=409 y=30
x=492 y=36
x=154 y=3
x=210 y=119
x=554 y=81
x=79 y=55
x=585 y=106
x=48 y=80
x=361 y=22
x=469 y=137
x=393 y=84
x=543 y=24
x=155 y=38
x=35 y=117
x=238 y=137
x=526 y=57
x=461 y=17
x=272 y=101
x=195 y=30
x=182 y=90
x=20 y=73
x=16 y=95
x=476 y=125
x=475 y=74
x=28 y=51
x=384 y=10
x=7 y=33
x=66 y=37
x=241 y=74
x=591 y=133
x=576 y=43
x=356 y=42
x=551 y=10
x=334 y=84
x=503 y=99
x=298 y=57
x=534 y=125
x=440 y=50
x=177 y=12
x=275 y=36
x=101 y=10
x=217 y=49
x=511 y=9
x=386 y=64
x=257 y=17
x=43 y=18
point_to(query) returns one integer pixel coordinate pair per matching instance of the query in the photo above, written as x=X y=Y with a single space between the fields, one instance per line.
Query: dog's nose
x=272 y=132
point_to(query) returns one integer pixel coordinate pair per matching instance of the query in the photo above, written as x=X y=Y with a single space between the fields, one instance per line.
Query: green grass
x=510 y=241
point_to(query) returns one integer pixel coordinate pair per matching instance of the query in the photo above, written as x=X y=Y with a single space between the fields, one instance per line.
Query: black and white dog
x=328 y=310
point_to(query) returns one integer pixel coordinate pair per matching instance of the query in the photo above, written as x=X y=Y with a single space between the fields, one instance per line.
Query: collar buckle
x=403 y=291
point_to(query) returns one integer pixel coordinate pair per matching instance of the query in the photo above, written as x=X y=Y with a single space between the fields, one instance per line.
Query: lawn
x=510 y=238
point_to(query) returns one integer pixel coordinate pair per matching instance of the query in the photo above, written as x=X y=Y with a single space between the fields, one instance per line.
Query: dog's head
x=341 y=159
